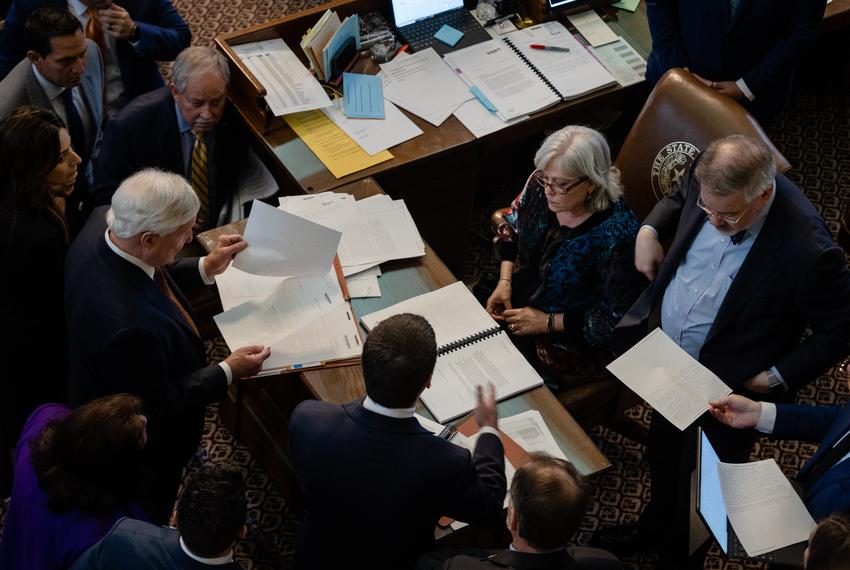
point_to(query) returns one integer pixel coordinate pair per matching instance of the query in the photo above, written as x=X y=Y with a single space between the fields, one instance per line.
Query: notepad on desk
x=519 y=80
x=472 y=350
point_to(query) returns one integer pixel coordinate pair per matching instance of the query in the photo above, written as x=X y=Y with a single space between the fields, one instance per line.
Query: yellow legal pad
x=337 y=151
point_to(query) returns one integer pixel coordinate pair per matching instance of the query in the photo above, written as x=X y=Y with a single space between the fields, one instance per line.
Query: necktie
x=75 y=123
x=162 y=283
x=200 y=178
x=94 y=29
x=738 y=237
x=826 y=462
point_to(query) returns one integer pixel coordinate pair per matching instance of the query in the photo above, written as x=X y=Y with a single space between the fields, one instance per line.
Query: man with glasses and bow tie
x=751 y=265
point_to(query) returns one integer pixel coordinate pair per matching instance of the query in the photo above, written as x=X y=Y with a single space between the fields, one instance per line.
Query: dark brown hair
x=398 y=358
x=47 y=23
x=549 y=500
x=212 y=509
x=91 y=459
x=829 y=545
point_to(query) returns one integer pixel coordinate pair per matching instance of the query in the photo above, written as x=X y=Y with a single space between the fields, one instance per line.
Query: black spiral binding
x=533 y=67
x=466 y=341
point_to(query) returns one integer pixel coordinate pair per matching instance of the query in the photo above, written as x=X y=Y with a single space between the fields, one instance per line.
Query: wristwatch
x=774 y=384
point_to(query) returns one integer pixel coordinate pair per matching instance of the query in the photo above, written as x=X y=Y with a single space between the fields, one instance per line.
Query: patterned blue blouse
x=586 y=272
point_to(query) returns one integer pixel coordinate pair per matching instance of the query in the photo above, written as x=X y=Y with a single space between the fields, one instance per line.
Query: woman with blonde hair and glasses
x=567 y=273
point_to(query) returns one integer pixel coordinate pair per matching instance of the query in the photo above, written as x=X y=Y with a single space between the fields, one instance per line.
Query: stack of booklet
x=472 y=350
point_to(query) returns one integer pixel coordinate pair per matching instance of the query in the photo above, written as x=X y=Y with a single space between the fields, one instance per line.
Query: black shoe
x=623 y=539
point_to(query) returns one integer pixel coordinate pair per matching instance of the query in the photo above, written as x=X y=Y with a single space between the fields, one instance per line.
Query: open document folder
x=669 y=379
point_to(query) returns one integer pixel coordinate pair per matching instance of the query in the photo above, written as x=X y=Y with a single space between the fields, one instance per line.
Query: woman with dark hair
x=567 y=265
x=76 y=473
x=38 y=168
x=829 y=544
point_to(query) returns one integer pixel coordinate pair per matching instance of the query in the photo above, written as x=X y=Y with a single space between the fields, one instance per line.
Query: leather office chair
x=680 y=118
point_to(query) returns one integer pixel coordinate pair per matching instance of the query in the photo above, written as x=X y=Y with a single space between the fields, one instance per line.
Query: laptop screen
x=561 y=4
x=711 y=505
x=406 y=12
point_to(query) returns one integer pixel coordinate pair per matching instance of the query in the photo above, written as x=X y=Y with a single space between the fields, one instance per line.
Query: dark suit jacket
x=826 y=425
x=374 y=487
x=761 y=43
x=145 y=134
x=137 y=545
x=793 y=277
x=162 y=35
x=572 y=558
x=126 y=336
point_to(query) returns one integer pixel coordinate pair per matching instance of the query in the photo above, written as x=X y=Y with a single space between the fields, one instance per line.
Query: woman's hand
x=500 y=300
x=526 y=321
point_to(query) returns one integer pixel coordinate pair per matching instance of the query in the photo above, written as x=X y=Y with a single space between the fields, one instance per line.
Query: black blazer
x=793 y=277
x=374 y=487
x=760 y=43
x=145 y=134
x=126 y=336
x=571 y=558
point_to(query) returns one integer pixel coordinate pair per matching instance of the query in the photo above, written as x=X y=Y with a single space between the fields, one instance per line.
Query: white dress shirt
x=218 y=561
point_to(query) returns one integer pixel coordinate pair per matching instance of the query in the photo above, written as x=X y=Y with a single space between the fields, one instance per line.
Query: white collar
x=220 y=561
x=374 y=406
x=50 y=89
x=149 y=270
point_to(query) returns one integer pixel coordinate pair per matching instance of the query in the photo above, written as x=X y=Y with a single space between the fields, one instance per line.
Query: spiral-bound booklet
x=471 y=349
x=518 y=80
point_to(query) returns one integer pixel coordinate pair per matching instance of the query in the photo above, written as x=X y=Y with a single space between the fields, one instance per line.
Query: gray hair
x=736 y=164
x=581 y=152
x=196 y=61
x=151 y=201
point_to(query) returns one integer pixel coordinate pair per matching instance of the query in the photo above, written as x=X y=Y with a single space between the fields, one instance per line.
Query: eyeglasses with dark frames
x=557 y=188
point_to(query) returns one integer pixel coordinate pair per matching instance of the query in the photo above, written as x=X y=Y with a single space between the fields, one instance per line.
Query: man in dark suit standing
x=132 y=37
x=745 y=49
x=826 y=476
x=750 y=267
x=208 y=520
x=131 y=329
x=187 y=128
x=548 y=501
x=375 y=481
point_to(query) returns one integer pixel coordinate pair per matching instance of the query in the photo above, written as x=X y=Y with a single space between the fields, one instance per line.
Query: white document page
x=306 y=204
x=493 y=359
x=763 y=508
x=530 y=431
x=292 y=305
x=375 y=135
x=236 y=287
x=593 y=28
x=504 y=79
x=453 y=312
x=430 y=425
x=364 y=284
x=280 y=243
x=479 y=121
x=422 y=84
x=333 y=336
x=290 y=88
x=625 y=64
x=668 y=378
x=573 y=73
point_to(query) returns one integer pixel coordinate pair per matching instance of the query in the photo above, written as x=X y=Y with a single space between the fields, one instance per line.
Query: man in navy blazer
x=136 y=34
x=158 y=130
x=208 y=520
x=375 y=481
x=750 y=267
x=826 y=476
x=746 y=49
x=131 y=329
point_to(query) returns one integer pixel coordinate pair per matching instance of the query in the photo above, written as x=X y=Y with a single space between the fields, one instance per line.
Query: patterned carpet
x=814 y=134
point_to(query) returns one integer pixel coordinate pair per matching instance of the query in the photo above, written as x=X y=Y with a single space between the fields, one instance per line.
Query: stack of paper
x=317 y=37
x=376 y=135
x=283 y=292
x=411 y=82
x=289 y=86
x=374 y=230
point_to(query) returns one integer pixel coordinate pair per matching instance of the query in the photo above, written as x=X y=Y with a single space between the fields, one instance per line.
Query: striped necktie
x=161 y=282
x=200 y=178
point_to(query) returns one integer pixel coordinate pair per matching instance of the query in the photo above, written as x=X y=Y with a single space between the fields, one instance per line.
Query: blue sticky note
x=483 y=99
x=363 y=96
x=448 y=35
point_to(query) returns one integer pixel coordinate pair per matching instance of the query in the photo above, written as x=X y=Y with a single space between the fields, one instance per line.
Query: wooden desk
x=260 y=418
